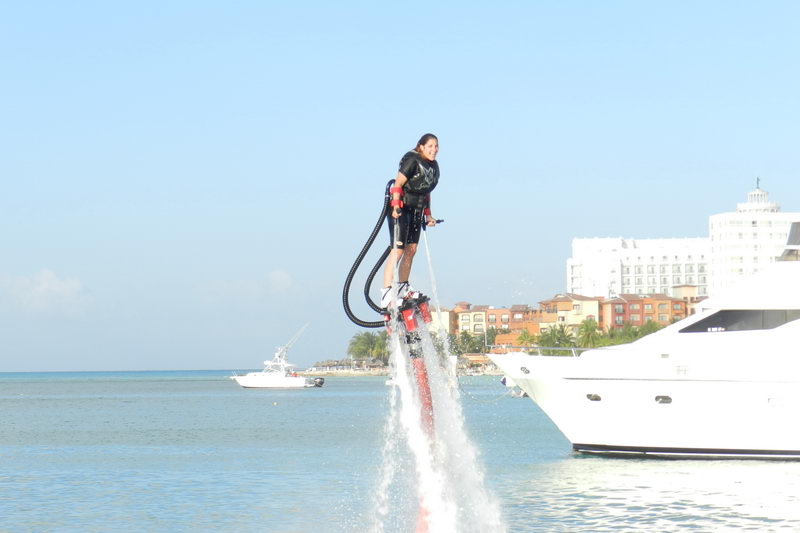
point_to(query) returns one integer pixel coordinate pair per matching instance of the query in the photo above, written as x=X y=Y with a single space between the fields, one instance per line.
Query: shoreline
x=351 y=373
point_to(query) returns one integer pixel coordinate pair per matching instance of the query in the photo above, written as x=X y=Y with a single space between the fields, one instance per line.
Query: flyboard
x=402 y=322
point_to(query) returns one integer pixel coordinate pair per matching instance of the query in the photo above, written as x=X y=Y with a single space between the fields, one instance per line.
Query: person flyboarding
x=410 y=205
x=407 y=210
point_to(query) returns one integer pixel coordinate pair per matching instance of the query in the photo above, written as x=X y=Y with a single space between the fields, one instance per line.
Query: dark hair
x=424 y=140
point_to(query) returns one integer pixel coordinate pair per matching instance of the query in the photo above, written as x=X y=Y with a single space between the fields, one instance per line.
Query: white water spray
x=445 y=489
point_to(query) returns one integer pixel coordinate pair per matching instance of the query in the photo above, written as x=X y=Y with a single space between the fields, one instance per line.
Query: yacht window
x=743 y=320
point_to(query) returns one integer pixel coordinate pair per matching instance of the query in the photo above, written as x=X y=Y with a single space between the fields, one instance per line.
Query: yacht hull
x=646 y=406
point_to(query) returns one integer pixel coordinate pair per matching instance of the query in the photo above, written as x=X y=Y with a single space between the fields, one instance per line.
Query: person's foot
x=410 y=293
x=402 y=289
x=386 y=297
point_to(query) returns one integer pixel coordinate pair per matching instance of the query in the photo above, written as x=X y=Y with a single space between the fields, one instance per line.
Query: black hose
x=371 y=276
x=357 y=263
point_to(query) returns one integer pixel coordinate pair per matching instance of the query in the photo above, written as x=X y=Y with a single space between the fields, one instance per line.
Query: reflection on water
x=545 y=487
x=583 y=493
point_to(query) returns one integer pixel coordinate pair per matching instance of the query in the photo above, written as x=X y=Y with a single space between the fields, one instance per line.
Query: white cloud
x=279 y=281
x=275 y=282
x=43 y=293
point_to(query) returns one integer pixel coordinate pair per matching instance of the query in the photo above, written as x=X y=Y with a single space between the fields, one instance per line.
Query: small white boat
x=722 y=383
x=278 y=373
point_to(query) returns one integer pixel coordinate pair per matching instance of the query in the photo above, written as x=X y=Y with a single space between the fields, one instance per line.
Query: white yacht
x=724 y=382
x=278 y=373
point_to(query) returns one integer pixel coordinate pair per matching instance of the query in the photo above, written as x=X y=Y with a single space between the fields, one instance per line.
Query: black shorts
x=410 y=225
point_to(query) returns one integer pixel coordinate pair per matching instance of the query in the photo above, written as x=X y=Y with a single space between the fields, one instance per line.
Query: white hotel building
x=739 y=243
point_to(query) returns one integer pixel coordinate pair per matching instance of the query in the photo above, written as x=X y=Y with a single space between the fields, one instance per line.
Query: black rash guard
x=423 y=175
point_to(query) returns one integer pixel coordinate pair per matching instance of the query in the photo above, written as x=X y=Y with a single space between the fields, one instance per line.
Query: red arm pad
x=397 y=203
x=398 y=190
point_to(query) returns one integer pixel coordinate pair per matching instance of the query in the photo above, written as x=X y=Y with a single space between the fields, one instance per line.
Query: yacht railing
x=558 y=351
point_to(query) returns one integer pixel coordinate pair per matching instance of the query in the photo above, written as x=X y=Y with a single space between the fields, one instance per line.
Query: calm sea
x=191 y=451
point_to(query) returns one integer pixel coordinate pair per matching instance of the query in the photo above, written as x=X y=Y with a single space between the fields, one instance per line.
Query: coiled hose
x=357 y=263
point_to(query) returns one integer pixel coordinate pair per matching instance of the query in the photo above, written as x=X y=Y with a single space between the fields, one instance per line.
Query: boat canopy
x=743 y=320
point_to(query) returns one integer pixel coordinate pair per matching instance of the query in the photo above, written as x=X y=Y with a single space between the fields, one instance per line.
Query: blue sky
x=185 y=184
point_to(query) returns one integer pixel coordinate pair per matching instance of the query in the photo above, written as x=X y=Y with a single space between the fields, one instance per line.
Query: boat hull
x=666 y=411
x=259 y=380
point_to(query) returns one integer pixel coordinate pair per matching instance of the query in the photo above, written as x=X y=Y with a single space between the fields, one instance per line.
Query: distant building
x=569 y=310
x=739 y=244
x=638 y=309
x=498 y=318
x=522 y=318
x=688 y=293
x=479 y=319
x=610 y=266
x=442 y=319
x=744 y=241
x=472 y=319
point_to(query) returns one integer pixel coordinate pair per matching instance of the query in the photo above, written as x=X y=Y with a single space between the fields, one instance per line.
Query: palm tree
x=613 y=336
x=368 y=346
x=526 y=338
x=628 y=332
x=588 y=334
x=380 y=351
x=475 y=343
x=556 y=337
x=465 y=342
x=651 y=326
x=491 y=335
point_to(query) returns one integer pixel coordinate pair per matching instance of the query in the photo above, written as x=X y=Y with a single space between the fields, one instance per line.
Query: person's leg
x=411 y=240
x=406 y=262
x=395 y=255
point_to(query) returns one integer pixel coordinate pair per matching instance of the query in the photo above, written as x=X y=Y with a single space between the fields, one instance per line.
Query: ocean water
x=191 y=451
